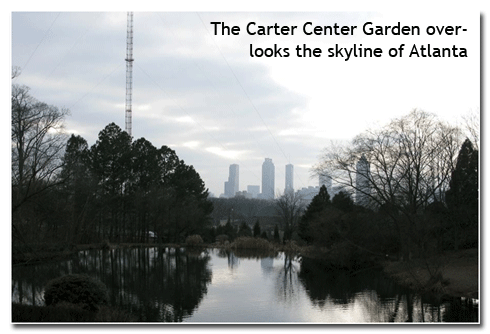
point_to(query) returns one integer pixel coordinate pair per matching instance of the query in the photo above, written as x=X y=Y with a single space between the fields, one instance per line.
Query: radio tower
x=129 y=72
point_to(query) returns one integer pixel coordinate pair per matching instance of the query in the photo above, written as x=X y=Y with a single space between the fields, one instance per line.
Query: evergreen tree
x=317 y=205
x=462 y=196
x=110 y=162
x=77 y=189
x=244 y=230
x=257 y=229
x=343 y=202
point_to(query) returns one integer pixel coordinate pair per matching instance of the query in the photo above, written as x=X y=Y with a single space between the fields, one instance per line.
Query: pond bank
x=458 y=269
x=458 y=273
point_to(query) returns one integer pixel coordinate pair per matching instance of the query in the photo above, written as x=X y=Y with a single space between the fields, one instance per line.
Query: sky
x=204 y=96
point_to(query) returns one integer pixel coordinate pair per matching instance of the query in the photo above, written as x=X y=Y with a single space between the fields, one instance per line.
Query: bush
x=249 y=242
x=82 y=290
x=194 y=240
x=222 y=238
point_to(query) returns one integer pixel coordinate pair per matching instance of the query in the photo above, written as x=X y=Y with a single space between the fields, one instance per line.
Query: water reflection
x=153 y=284
x=287 y=287
x=378 y=297
x=175 y=285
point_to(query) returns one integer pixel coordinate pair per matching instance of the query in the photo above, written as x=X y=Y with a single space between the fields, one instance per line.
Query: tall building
x=232 y=185
x=227 y=189
x=254 y=191
x=363 y=188
x=289 y=178
x=326 y=180
x=268 y=177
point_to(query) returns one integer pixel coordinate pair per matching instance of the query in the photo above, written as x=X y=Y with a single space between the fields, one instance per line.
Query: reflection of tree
x=287 y=280
x=151 y=283
x=267 y=265
x=384 y=300
x=322 y=282
x=233 y=260
x=460 y=310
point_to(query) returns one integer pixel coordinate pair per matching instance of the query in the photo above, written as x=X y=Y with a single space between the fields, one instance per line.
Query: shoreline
x=453 y=273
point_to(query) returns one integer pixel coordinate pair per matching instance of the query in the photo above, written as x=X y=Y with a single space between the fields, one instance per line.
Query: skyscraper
x=232 y=185
x=289 y=178
x=253 y=190
x=326 y=180
x=363 y=188
x=268 y=177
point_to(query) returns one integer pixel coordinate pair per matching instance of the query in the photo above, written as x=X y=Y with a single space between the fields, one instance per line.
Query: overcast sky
x=206 y=98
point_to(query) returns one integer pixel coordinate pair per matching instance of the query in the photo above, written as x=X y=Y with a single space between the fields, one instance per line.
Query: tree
x=244 y=230
x=471 y=125
x=110 y=162
x=462 y=196
x=78 y=188
x=343 y=202
x=37 y=145
x=289 y=208
x=142 y=188
x=256 y=229
x=190 y=206
x=410 y=163
x=319 y=203
x=277 y=238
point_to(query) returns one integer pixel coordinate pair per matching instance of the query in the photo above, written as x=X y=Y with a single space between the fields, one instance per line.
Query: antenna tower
x=129 y=72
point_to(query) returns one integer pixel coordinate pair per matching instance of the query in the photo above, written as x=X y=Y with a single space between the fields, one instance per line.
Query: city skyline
x=203 y=96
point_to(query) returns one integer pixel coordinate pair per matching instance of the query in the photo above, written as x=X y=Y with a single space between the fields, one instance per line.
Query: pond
x=214 y=285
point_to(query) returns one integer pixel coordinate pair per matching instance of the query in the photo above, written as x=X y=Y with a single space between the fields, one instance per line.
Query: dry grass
x=251 y=243
x=452 y=273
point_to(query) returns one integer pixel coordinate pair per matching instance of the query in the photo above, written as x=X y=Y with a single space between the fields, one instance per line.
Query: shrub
x=81 y=290
x=249 y=242
x=194 y=240
x=222 y=238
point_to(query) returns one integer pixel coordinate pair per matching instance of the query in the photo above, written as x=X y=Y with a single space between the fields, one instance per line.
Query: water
x=207 y=286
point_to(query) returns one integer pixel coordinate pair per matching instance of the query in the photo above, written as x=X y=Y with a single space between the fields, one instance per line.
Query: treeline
x=418 y=190
x=117 y=190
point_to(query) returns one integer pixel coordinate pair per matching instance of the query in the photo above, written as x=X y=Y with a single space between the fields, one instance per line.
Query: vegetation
x=251 y=243
x=421 y=190
x=81 y=290
x=194 y=240
x=410 y=186
x=289 y=208
x=117 y=190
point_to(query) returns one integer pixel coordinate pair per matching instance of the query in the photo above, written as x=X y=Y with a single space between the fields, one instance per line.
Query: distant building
x=232 y=185
x=326 y=180
x=227 y=189
x=289 y=178
x=268 y=178
x=307 y=194
x=253 y=191
x=363 y=188
x=243 y=193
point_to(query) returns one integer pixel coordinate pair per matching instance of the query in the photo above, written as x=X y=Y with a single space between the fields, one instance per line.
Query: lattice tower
x=129 y=73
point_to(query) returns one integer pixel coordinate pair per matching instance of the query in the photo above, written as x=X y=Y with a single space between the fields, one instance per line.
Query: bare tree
x=471 y=125
x=15 y=72
x=410 y=164
x=37 y=144
x=289 y=208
